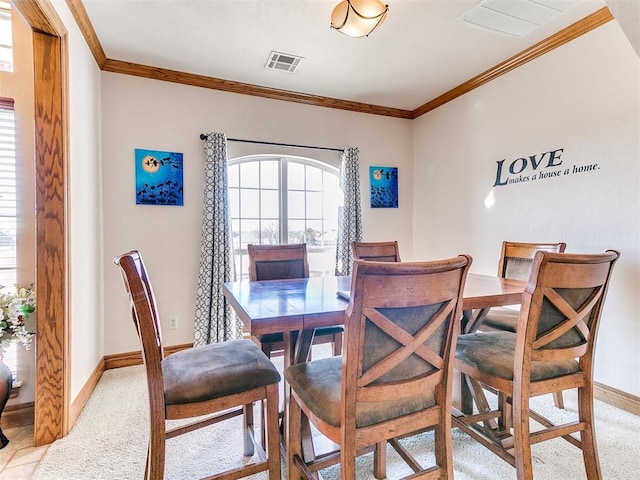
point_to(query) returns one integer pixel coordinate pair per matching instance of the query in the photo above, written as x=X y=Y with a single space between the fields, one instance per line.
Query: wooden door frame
x=52 y=370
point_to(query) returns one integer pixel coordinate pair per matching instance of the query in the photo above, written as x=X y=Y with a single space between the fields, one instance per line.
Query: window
x=8 y=212
x=6 y=42
x=7 y=194
x=277 y=200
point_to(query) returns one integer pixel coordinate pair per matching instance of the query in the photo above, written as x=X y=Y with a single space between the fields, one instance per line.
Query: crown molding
x=156 y=73
x=86 y=27
x=590 y=22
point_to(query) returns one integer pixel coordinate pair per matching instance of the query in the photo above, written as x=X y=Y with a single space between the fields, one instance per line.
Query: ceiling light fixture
x=358 y=18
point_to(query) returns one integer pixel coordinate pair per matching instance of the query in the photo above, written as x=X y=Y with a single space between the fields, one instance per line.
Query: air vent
x=517 y=18
x=284 y=62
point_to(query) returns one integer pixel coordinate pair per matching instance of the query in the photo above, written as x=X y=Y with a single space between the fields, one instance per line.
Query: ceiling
x=418 y=54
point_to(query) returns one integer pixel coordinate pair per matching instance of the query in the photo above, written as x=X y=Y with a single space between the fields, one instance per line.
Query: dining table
x=296 y=307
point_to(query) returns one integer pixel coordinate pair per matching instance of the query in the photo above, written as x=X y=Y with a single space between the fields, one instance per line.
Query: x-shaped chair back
x=563 y=304
x=401 y=329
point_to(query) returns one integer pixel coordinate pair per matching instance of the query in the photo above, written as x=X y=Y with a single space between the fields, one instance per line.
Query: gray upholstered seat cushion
x=502 y=319
x=493 y=353
x=217 y=370
x=318 y=384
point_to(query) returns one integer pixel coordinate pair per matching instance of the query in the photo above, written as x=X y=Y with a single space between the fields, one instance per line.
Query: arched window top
x=292 y=158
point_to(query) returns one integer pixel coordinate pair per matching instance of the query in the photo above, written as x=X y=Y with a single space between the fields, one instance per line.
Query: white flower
x=14 y=310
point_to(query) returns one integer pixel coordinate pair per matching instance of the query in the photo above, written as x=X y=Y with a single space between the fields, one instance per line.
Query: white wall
x=85 y=206
x=142 y=113
x=583 y=98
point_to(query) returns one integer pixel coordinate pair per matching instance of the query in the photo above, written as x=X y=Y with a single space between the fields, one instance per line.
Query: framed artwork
x=384 y=187
x=159 y=178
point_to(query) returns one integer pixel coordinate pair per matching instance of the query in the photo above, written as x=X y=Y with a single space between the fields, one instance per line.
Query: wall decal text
x=536 y=167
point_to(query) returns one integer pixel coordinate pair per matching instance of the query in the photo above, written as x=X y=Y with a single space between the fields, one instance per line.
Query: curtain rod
x=203 y=136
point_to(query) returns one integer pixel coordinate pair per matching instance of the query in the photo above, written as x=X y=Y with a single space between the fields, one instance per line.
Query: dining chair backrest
x=376 y=251
x=516 y=258
x=205 y=384
x=144 y=309
x=562 y=306
x=277 y=262
x=145 y=317
x=401 y=325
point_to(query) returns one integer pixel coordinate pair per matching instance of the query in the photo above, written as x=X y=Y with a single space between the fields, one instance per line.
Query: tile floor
x=19 y=459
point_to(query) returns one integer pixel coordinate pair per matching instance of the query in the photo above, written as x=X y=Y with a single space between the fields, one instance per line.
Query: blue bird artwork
x=384 y=187
x=159 y=178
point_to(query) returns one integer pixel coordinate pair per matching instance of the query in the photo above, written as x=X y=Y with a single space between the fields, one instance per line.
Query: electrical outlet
x=173 y=322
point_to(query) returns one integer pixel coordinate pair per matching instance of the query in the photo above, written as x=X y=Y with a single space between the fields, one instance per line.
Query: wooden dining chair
x=376 y=251
x=552 y=349
x=395 y=375
x=281 y=262
x=219 y=381
x=516 y=260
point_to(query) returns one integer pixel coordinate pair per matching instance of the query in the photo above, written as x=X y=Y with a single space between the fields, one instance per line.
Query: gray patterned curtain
x=215 y=320
x=350 y=217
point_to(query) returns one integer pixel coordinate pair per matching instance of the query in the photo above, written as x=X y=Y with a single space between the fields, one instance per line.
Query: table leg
x=297 y=346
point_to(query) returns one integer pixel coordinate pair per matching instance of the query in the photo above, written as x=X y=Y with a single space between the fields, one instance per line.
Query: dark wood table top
x=307 y=303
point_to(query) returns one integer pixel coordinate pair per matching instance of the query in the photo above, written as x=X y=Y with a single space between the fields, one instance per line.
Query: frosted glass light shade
x=358 y=18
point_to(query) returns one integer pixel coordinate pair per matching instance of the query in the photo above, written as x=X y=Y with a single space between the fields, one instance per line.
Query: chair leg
x=247 y=431
x=347 y=461
x=587 y=436
x=154 y=469
x=337 y=344
x=444 y=448
x=380 y=460
x=504 y=420
x=558 y=400
x=521 y=437
x=294 y=443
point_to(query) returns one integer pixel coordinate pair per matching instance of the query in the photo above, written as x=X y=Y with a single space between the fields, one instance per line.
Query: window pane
x=321 y=261
x=270 y=232
x=314 y=204
x=296 y=231
x=235 y=234
x=249 y=232
x=233 y=172
x=296 y=204
x=269 y=207
x=234 y=202
x=313 y=232
x=295 y=175
x=249 y=203
x=314 y=179
x=269 y=174
x=249 y=177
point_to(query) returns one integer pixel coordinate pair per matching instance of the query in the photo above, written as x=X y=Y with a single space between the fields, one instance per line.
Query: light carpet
x=109 y=440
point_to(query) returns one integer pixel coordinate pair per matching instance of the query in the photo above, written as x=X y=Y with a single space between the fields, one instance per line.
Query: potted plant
x=15 y=309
